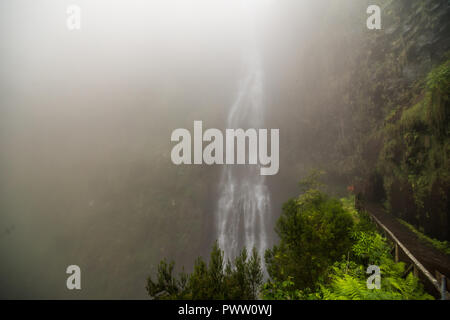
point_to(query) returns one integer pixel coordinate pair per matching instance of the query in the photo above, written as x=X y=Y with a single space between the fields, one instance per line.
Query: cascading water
x=243 y=205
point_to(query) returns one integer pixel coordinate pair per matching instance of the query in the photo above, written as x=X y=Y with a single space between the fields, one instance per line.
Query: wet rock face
x=415 y=38
x=417 y=33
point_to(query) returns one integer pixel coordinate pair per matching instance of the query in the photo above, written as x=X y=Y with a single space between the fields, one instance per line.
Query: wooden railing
x=439 y=281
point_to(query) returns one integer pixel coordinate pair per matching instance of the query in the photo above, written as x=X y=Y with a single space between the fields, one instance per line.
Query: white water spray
x=243 y=205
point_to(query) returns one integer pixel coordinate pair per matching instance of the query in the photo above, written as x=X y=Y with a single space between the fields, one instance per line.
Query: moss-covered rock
x=414 y=158
x=399 y=104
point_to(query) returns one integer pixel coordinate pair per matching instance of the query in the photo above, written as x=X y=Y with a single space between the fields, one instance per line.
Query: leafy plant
x=345 y=278
x=241 y=279
x=348 y=280
x=314 y=231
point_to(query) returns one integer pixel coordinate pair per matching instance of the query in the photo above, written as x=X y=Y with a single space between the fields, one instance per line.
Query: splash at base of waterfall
x=242 y=212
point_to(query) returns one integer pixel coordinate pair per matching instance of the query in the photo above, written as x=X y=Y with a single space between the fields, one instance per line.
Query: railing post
x=396 y=252
x=416 y=263
x=443 y=288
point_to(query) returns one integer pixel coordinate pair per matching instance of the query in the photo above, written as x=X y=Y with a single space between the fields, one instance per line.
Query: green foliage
x=312 y=181
x=167 y=286
x=346 y=287
x=281 y=290
x=444 y=246
x=345 y=278
x=437 y=98
x=240 y=280
x=245 y=279
x=349 y=205
x=324 y=250
x=370 y=247
x=348 y=278
x=314 y=231
x=414 y=158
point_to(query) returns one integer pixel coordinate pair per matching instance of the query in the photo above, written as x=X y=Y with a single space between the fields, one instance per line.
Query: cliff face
x=399 y=114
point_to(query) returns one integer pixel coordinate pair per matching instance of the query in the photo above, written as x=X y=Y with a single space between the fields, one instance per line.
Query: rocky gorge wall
x=398 y=109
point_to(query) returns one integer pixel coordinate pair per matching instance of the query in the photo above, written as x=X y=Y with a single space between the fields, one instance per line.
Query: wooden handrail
x=416 y=262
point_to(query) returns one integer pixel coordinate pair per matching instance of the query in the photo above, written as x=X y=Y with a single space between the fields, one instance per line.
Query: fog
x=86 y=117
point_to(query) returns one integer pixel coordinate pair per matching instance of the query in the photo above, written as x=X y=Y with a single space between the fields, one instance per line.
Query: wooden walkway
x=429 y=264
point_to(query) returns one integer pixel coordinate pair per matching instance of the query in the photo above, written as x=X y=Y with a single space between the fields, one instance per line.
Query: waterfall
x=243 y=204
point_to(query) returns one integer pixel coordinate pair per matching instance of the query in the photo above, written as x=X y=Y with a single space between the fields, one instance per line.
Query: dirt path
x=431 y=258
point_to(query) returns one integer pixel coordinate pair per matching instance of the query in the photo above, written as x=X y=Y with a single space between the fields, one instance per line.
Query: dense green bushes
x=348 y=278
x=324 y=250
x=332 y=273
x=214 y=281
x=314 y=231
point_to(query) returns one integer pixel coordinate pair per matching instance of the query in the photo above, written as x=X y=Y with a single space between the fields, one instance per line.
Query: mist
x=86 y=118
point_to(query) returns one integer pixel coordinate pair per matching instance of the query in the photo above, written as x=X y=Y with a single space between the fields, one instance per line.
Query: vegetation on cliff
x=394 y=140
x=414 y=158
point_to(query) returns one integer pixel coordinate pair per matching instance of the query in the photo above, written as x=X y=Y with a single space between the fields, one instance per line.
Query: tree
x=167 y=286
x=314 y=231
x=245 y=278
x=237 y=280
x=255 y=274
